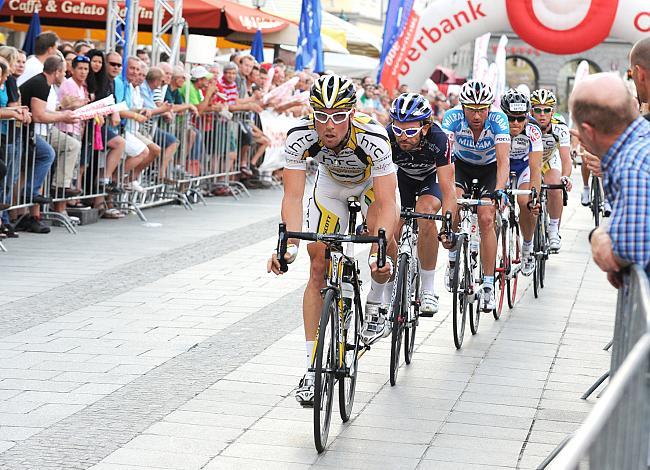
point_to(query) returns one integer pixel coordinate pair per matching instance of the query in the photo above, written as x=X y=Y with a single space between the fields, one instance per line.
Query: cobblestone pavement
x=169 y=347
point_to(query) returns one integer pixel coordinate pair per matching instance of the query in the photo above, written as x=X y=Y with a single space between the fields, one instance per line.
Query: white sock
x=452 y=256
x=428 y=279
x=376 y=294
x=585 y=188
x=527 y=247
x=388 y=291
x=553 y=226
x=309 y=347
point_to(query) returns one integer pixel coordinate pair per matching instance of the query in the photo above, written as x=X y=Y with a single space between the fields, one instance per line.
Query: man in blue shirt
x=609 y=126
x=481 y=149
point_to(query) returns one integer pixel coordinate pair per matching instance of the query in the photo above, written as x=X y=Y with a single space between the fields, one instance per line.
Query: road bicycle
x=540 y=238
x=467 y=273
x=508 y=263
x=405 y=299
x=338 y=344
x=597 y=204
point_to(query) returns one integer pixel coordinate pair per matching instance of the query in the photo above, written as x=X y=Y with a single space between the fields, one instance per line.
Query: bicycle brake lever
x=381 y=248
x=282 y=247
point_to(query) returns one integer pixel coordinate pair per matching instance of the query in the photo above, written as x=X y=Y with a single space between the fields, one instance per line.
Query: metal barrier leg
x=553 y=454
x=2 y=248
x=609 y=346
x=596 y=384
x=63 y=219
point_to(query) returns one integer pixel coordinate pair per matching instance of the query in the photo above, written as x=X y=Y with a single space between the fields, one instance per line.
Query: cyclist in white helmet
x=481 y=147
x=556 y=160
x=354 y=159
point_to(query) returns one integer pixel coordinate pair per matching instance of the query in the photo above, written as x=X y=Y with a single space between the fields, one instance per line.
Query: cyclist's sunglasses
x=81 y=58
x=542 y=110
x=476 y=107
x=412 y=132
x=337 y=118
x=520 y=118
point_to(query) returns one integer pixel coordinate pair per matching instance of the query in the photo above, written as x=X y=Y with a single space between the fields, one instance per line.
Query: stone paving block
x=30 y=374
x=485 y=419
x=490 y=457
x=183 y=445
x=236 y=463
x=511 y=399
x=389 y=435
x=288 y=438
x=97 y=388
x=405 y=411
x=488 y=432
x=501 y=410
x=6 y=445
x=271 y=453
x=341 y=460
x=205 y=400
x=442 y=465
x=305 y=427
x=67 y=398
x=171 y=460
x=38 y=385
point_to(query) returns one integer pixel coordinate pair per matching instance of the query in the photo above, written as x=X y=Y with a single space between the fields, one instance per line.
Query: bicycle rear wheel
x=460 y=281
x=539 y=255
x=399 y=310
x=414 y=313
x=515 y=256
x=348 y=382
x=596 y=199
x=324 y=367
x=503 y=269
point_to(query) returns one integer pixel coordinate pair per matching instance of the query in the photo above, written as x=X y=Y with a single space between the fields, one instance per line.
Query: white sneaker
x=607 y=209
x=487 y=298
x=585 y=199
x=429 y=303
x=554 y=242
x=135 y=186
x=528 y=265
x=448 y=277
x=305 y=390
x=375 y=324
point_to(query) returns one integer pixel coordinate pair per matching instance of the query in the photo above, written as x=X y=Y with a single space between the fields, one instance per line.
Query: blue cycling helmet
x=410 y=107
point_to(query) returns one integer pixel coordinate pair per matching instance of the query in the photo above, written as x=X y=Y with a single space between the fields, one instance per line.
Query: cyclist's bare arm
x=503 y=164
x=384 y=188
x=447 y=183
x=535 y=164
x=565 y=157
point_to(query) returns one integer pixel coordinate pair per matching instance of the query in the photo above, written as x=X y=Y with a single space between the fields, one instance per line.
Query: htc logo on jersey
x=365 y=142
x=299 y=143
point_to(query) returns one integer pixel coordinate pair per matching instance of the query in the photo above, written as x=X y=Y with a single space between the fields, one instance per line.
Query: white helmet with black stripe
x=476 y=92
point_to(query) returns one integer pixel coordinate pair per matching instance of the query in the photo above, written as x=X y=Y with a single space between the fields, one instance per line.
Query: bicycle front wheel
x=460 y=284
x=539 y=255
x=596 y=200
x=399 y=309
x=325 y=365
x=503 y=269
x=515 y=257
x=348 y=382
x=413 y=313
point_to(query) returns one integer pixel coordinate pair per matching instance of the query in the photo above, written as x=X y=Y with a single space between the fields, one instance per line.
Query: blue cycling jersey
x=483 y=151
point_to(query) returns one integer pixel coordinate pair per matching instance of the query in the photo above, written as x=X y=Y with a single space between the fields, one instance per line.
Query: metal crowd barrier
x=616 y=434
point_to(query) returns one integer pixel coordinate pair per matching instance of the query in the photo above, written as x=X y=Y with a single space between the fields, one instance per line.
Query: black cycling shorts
x=409 y=188
x=485 y=174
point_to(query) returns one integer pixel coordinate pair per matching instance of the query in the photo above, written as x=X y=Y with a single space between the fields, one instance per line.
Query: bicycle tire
x=513 y=281
x=475 y=307
x=348 y=382
x=460 y=279
x=545 y=251
x=324 y=371
x=504 y=266
x=537 y=248
x=595 y=200
x=398 y=316
x=414 y=314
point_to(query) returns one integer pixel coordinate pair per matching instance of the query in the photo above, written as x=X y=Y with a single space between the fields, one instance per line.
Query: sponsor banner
x=276 y=126
x=479 y=70
x=398 y=55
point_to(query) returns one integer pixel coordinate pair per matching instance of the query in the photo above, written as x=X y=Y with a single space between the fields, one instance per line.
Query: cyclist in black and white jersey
x=422 y=153
x=354 y=159
x=526 y=162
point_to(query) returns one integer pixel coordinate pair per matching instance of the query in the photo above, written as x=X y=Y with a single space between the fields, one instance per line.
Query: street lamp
x=259 y=3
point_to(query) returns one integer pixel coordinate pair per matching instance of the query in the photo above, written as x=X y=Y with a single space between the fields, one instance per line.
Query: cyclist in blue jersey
x=526 y=149
x=481 y=140
x=422 y=152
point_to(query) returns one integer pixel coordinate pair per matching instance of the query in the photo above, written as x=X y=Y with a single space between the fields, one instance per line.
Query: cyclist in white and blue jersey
x=481 y=147
x=526 y=149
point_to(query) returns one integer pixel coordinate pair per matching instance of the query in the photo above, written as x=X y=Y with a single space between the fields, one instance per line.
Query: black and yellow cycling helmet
x=543 y=96
x=333 y=92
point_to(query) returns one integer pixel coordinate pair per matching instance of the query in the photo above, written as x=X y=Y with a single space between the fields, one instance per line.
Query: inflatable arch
x=555 y=26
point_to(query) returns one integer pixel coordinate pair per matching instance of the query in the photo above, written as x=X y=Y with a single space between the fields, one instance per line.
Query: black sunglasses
x=81 y=58
x=115 y=64
x=517 y=118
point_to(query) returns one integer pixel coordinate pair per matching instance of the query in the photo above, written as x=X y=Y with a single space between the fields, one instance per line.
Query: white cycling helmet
x=543 y=97
x=475 y=92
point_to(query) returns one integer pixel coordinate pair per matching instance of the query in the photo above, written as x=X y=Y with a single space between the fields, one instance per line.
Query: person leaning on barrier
x=136 y=151
x=167 y=141
x=45 y=46
x=174 y=95
x=40 y=154
x=609 y=126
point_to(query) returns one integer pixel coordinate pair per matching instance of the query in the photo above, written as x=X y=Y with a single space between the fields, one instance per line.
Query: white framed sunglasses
x=411 y=132
x=337 y=118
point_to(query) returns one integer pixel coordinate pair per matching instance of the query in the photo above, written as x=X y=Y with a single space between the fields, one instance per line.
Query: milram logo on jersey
x=499 y=118
x=465 y=138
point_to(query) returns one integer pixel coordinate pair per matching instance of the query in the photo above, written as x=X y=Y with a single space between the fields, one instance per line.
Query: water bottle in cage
x=475 y=238
x=347 y=294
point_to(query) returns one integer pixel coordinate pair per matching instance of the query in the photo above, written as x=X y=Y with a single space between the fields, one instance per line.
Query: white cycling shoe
x=375 y=323
x=487 y=299
x=305 y=390
x=528 y=264
x=429 y=304
x=554 y=242
x=585 y=198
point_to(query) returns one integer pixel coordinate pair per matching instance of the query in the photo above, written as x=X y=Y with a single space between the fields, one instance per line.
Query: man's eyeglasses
x=115 y=64
x=521 y=118
x=337 y=118
x=476 y=107
x=81 y=58
x=542 y=110
x=411 y=132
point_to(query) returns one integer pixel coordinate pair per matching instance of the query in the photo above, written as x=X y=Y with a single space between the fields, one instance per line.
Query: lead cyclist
x=354 y=159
